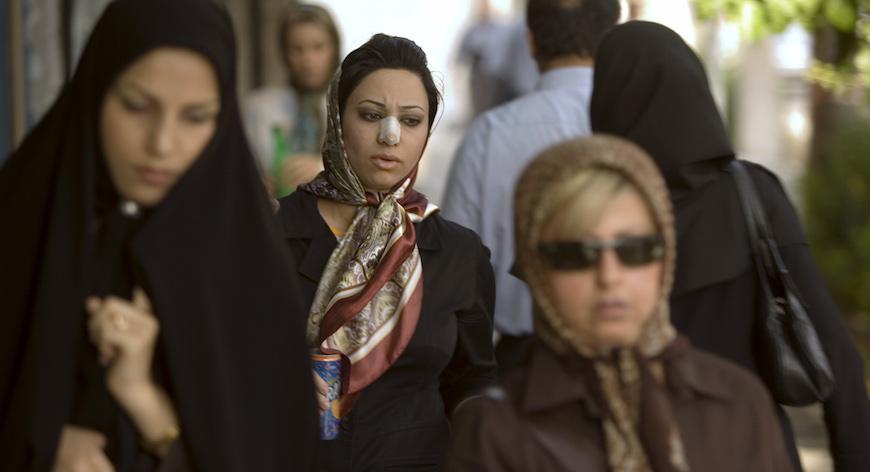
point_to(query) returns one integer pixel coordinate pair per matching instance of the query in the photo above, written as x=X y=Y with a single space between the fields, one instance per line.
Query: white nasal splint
x=390 y=133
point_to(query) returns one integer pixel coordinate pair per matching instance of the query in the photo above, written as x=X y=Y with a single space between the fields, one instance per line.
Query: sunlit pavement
x=812 y=438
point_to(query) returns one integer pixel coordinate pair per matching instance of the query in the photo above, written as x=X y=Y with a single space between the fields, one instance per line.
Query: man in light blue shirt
x=563 y=38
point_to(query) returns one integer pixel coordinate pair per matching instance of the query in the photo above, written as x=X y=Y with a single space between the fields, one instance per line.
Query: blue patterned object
x=328 y=367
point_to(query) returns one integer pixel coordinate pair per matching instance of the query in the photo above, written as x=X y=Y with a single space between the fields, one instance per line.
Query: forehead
x=627 y=212
x=307 y=31
x=391 y=86
x=172 y=73
x=601 y=216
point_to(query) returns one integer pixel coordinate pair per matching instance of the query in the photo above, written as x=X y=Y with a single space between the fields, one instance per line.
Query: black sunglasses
x=632 y=251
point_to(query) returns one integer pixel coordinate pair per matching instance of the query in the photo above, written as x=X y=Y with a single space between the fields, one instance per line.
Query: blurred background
x=790 y=76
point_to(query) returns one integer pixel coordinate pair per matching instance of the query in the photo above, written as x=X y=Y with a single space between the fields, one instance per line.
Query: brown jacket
x=543 y=418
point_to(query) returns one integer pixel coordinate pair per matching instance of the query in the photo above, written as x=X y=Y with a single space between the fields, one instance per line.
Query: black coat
x=719 y=317
x=400 y=420
x=229 y=354
x=651 y=88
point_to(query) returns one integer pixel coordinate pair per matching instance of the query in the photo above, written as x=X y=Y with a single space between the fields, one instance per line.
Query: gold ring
x=119 y=321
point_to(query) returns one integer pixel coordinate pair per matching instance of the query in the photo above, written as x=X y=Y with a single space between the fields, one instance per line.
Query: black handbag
x=790 y=357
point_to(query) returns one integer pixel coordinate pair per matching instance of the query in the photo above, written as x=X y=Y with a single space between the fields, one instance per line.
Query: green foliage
x=841 y=14
x=758 y=19
x=837 y=214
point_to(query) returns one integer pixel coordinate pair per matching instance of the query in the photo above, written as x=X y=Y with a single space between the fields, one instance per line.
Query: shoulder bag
x=790 y=357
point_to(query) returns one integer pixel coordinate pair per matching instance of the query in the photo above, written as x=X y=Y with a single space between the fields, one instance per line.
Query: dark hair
x=387 y=52
x=569 y=27
x=305 y=13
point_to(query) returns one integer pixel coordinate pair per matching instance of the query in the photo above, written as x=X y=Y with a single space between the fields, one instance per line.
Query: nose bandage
x=390 y=133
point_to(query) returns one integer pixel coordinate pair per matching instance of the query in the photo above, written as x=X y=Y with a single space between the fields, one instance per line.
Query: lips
x=152 y=176
x=611 y=309
x=386 y=161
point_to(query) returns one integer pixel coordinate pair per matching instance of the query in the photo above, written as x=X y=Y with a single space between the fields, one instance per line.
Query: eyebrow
x=404 y=107
x=151 y=98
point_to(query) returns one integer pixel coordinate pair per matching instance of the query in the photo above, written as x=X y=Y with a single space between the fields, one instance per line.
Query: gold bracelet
x=161 y=445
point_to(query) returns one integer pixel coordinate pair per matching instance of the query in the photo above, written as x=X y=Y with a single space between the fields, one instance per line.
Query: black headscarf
x=209 y=257
x=651 y=88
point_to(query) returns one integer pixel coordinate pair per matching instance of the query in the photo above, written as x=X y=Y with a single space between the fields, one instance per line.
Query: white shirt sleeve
x=463 y=194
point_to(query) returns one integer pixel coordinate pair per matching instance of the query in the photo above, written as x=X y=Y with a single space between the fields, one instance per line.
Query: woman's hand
x=300 y=169
x=81 y=450
x=125 y=334
x=322 y=390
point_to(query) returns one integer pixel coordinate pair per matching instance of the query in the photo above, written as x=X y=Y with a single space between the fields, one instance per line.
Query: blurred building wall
x=257 y=24
x=6 y=126
x=772 y=116
x=43 y=56
x=43 y=39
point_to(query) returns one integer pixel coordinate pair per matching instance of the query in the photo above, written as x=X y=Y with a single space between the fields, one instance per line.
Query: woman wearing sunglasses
x=609 y=385
x=651 y=88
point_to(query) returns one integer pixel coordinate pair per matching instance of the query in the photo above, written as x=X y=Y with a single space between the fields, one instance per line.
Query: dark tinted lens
x=632 y=251
x=640 y=250
x=568 y=255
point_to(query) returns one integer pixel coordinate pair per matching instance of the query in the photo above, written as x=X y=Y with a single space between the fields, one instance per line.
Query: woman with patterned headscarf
x=403 y=295
x=610 y=386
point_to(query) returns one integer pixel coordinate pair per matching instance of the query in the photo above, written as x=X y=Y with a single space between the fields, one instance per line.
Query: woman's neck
x=337 y=216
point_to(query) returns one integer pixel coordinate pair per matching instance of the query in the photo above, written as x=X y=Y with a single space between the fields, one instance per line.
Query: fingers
x=93 y=304
x=81 y=449
x=141 y=301
x=100 y=463
x=125 y=316
x=322 y=402
x=95 y=462
x=322 y=390
x=321 y=384
x=97 y=325
x=133 y=310
x=115 y=324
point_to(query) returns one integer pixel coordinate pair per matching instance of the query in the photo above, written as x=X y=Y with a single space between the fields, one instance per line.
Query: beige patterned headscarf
x=368 y=300
x=640 y=432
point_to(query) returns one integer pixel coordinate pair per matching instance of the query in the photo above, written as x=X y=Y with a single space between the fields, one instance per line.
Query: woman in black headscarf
x=650 y=87
x=135 y=203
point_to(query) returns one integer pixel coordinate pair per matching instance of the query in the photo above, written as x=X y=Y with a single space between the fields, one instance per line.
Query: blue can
x=328 y=367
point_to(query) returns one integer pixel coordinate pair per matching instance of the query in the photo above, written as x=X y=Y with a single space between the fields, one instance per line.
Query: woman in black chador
x=652 y=89
x=402 y=294
x=149 y=315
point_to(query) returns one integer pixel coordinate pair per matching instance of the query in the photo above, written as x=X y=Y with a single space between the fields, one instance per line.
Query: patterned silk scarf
x=368 y=300
x=630 y=383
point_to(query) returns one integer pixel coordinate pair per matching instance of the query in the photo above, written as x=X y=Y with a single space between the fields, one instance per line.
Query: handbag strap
x=764 y=241
x=756 y=223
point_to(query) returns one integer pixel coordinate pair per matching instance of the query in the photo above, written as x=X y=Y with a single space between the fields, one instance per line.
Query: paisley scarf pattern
x=369 y=298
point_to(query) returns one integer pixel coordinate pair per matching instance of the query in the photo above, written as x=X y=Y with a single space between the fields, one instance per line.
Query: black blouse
x=400 y=420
